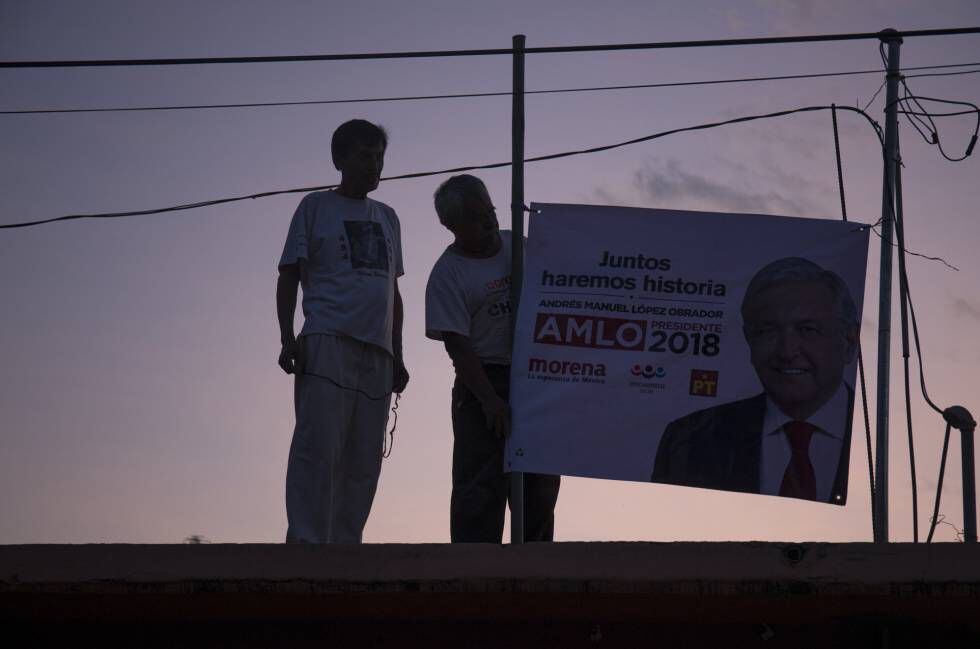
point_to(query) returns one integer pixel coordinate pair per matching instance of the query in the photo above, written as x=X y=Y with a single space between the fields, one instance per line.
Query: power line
x=934 y=114
x=927 y=127
x=670 y=84
x=264 y=104
x=491 y=52
x=495 y=165
x=445 y=96
x=875 y=96
x=936 y=67
x=940 y=74
x=895 y=244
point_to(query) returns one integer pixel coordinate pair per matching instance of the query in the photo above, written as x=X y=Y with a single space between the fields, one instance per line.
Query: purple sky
x=140 y=399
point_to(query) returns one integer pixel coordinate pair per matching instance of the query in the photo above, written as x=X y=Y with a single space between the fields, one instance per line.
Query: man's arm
x=290 y=358
x=400 y=378
x=470 y=371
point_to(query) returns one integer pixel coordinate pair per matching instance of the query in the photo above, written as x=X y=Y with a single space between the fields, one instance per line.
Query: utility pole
x=894 y=43
x=969 y=481
x=517 y=253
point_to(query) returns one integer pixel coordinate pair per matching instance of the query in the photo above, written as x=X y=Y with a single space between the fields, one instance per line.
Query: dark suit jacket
x=720 y=448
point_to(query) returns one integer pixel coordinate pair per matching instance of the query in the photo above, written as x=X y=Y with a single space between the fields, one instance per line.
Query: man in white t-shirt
x=345 y=250
x=467 y=306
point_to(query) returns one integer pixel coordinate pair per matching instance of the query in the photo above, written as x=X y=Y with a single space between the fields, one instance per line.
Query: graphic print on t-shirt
x=368 y=247
x=498 y=297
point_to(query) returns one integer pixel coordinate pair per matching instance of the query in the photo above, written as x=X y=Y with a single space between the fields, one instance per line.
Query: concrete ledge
x=505 y=592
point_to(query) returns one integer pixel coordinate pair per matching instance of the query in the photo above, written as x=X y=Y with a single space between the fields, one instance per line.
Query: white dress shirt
x=825 y=445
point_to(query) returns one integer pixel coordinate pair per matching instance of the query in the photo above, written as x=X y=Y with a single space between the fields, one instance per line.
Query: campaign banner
x=699 y=349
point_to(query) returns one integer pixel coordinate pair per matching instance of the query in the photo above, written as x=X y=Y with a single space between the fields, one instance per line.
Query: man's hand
x=400 y=376
x=470 y=370
x=291 y=358
x=497 y=413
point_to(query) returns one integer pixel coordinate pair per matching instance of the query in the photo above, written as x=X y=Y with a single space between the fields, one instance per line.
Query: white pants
x=335 y=455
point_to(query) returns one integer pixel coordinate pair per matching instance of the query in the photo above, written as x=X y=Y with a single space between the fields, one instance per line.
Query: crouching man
x=467 y=306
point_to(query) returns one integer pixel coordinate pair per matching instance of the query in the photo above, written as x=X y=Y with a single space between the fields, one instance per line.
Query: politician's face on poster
x=799 y=344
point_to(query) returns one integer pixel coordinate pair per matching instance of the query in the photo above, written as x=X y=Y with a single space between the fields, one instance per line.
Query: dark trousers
x=480 y=486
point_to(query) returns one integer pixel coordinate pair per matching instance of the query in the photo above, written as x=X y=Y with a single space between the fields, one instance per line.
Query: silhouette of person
x=467 y=306
x=793 y=439
x=345 y=250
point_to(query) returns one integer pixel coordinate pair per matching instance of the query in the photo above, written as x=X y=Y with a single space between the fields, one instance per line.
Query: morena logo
x=565 y=368
x=648 y=371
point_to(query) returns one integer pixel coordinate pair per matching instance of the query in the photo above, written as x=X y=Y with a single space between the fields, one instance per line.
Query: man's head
x=801 y=325
x=464 y=207
x=358 y=150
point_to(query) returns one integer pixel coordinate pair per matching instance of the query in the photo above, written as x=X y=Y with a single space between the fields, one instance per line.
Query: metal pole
x=903 y=311
x=887 y=36
x=969 y=486
x=517 y=256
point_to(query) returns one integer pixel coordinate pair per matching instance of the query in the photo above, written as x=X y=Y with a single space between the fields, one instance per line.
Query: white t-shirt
x=351 y=253
x=471 y=297
x=825 y=445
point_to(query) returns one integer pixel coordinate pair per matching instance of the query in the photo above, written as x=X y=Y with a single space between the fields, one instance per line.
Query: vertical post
x=903 y=285
x=517 y=254
x=894 y=43
x=969 y=486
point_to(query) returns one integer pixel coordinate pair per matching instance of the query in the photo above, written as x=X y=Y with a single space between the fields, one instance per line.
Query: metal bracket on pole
x=894 y=43
x=517 y=254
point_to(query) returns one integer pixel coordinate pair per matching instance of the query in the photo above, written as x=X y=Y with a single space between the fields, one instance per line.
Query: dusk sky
x=140 y=399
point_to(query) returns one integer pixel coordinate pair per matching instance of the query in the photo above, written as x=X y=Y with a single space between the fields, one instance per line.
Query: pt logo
x=704 y=383
x=648 y=371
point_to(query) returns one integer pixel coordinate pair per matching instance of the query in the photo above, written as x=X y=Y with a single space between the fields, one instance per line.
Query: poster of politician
x=700 y=349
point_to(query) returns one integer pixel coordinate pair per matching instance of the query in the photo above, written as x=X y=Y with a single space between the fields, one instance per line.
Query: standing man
x=345 y=250
x=467 y=306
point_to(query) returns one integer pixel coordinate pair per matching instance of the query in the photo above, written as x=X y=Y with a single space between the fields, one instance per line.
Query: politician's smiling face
x=799 y=344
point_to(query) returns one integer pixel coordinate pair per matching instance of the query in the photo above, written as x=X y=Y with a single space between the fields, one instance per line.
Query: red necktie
x=799 y=481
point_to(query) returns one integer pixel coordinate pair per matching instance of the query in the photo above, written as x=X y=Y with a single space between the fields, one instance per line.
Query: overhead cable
x=495 y=165
x=940 y=74
x=934 y=114
x=491 y=52
x=669 y=84
x=922 y=120
x=875 y=96
x=421 y=174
